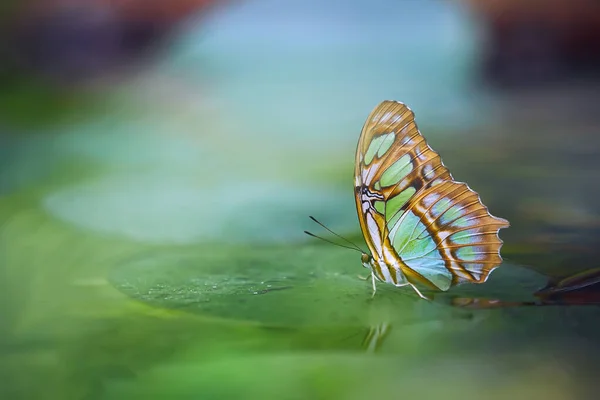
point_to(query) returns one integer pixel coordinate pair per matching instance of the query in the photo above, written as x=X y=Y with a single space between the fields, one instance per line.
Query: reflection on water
x=155 y=249
x=582 y=288
x=375 y=336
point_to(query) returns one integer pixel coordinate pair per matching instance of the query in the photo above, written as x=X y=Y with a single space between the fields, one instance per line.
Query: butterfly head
x=367 y=260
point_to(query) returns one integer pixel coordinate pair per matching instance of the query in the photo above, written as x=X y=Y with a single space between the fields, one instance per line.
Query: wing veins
x=448 y=223
x=426 y=210
x=441 y=165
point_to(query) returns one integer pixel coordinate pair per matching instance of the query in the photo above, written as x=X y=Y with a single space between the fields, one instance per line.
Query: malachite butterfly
x=421 y=226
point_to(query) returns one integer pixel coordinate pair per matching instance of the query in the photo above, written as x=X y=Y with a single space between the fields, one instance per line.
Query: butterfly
x=420 y=225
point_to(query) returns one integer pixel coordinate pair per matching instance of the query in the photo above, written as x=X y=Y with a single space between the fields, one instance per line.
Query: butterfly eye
x=365 y=258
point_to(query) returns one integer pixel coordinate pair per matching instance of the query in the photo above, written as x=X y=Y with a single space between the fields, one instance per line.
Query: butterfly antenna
x=329 y=241
x=341 y=237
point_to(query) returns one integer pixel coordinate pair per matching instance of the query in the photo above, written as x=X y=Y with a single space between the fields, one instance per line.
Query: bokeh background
x=159 y=161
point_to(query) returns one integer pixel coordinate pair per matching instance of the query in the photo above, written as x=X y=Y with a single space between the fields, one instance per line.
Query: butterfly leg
x=363 y=278
x=419 y=293
x=374 y=286
x=415 y=288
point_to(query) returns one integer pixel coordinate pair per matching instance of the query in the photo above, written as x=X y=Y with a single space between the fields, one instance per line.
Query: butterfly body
x=385 y=271
x=421 y=226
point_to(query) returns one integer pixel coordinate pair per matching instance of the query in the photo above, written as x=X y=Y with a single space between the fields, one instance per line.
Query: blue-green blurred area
x=159 y=161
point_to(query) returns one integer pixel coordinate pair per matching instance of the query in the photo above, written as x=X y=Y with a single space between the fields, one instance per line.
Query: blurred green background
x=159 y=161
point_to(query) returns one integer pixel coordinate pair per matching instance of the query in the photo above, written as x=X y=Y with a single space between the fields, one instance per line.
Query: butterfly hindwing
x=456 y=239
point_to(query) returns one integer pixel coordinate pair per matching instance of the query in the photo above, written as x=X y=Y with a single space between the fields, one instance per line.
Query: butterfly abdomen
x=388 y=271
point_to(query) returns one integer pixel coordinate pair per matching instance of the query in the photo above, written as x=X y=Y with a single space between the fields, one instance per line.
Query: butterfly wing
x=412 y=214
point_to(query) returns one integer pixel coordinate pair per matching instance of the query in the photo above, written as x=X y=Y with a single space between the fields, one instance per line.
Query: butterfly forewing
x=392 y=154
x=412 y=214
x=393 y=162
